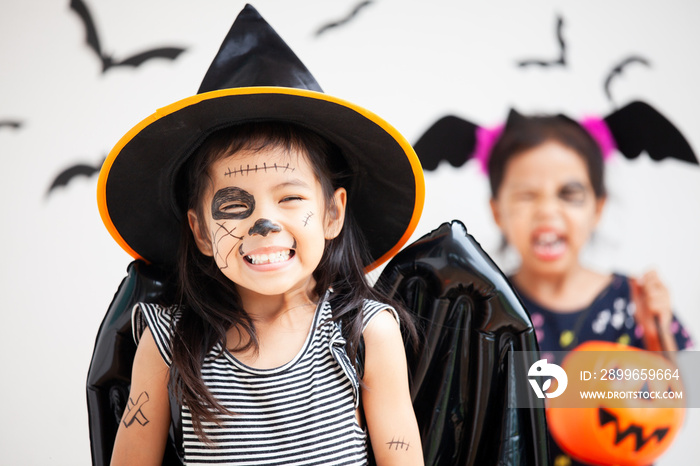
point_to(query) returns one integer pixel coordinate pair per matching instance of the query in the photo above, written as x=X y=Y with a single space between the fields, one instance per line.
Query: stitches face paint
x=546 y=208
x=259 y=221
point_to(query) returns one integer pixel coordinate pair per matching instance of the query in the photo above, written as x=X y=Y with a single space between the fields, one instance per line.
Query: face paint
x=264 y=226
x=232 y=203
x=264 y=168
x=220 y=234
x=308 y=216
x=254 y=193
x=573 y=193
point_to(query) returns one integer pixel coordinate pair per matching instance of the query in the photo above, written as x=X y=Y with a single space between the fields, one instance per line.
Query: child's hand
x=653 y=302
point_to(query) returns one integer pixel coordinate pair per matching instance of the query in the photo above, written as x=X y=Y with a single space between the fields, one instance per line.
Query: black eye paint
x=573 y=192
x=229 y=195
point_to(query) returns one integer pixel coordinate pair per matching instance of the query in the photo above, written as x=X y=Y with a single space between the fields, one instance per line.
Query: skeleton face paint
x=263 y=238
x=264 y=226
x=232 y=203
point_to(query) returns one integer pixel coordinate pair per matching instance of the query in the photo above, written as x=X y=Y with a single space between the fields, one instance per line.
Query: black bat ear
x=639 y=127
x=514 y=118
x=450 y=138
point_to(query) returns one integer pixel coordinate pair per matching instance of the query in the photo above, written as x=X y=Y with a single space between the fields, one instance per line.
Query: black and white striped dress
x=302 y=413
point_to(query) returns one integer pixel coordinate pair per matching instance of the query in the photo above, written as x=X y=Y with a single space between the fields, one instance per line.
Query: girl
x=546 y=176
x=278 y=351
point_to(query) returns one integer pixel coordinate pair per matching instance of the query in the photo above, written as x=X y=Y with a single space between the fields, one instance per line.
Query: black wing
x=450 y=138
x=462 y=374
x=561 y=60
x=10 y=124
x=638 y=127
x=109 y=376
x=170 y=53
x=617 y=70
x=340 y=22
x=65 y=177
x=91 y=36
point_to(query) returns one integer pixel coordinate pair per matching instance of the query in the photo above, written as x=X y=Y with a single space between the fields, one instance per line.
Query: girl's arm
x=386 y=399
x=143 y=430
x=654 y=312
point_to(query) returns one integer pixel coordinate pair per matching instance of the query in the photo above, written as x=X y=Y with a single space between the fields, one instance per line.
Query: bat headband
x=255 y=76
x=635 y=128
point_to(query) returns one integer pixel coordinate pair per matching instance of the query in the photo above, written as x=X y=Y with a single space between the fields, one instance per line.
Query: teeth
x=547 y=238
x=258 y=259
x=549 y=243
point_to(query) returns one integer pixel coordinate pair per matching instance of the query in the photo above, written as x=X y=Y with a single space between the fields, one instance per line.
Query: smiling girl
x=270 y=203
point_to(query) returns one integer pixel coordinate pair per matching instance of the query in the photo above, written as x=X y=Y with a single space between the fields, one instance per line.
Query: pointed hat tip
x=253 y=54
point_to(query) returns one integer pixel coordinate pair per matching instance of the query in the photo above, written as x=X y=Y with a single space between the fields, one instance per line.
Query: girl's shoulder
x=372 y=308
x=160 y=320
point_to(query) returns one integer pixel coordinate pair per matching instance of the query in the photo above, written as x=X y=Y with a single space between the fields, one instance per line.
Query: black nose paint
x=264 y=226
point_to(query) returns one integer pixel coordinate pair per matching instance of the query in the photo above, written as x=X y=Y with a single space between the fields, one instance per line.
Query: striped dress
x=302 y=413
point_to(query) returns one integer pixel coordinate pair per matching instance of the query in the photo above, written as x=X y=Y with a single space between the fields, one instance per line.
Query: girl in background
x=548 y=194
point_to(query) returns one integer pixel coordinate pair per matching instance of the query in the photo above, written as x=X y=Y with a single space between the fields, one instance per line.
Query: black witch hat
x=255 y=76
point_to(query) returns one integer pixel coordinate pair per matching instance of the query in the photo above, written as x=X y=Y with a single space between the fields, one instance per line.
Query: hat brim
x=136 y=187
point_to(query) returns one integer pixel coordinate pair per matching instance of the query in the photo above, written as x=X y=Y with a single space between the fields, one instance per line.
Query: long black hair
x=209 y=301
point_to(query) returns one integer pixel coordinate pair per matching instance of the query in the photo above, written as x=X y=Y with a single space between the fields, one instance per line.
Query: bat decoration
x=617 y=70
x=561 y=60
x=10 y=124
x=632 y=129
x=345 y=20
x=69 y=173
x=107 y=60
x=451 y=138
x=638 y=127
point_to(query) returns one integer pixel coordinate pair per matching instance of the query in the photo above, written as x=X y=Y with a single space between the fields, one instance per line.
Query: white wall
x=409 y=61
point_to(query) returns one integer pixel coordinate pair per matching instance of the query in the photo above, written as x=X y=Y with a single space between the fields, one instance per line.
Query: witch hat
x=255 y=76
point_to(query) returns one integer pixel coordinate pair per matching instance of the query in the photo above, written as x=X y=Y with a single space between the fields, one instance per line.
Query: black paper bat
x=561 y=61
x=65 y=177
x=108 y=62
x=637 y=127
x=340 y=22
x=10 y=124
x=617 y=70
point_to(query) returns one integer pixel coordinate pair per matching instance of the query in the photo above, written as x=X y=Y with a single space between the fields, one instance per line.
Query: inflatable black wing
x=472 y=327
x=462 y=379
x=109 y=376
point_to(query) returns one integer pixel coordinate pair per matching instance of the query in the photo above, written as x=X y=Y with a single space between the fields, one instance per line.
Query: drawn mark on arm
x=398 y=444
x=134 y=410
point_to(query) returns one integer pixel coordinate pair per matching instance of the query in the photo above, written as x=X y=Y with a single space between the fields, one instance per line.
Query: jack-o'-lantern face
x=632 y=429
